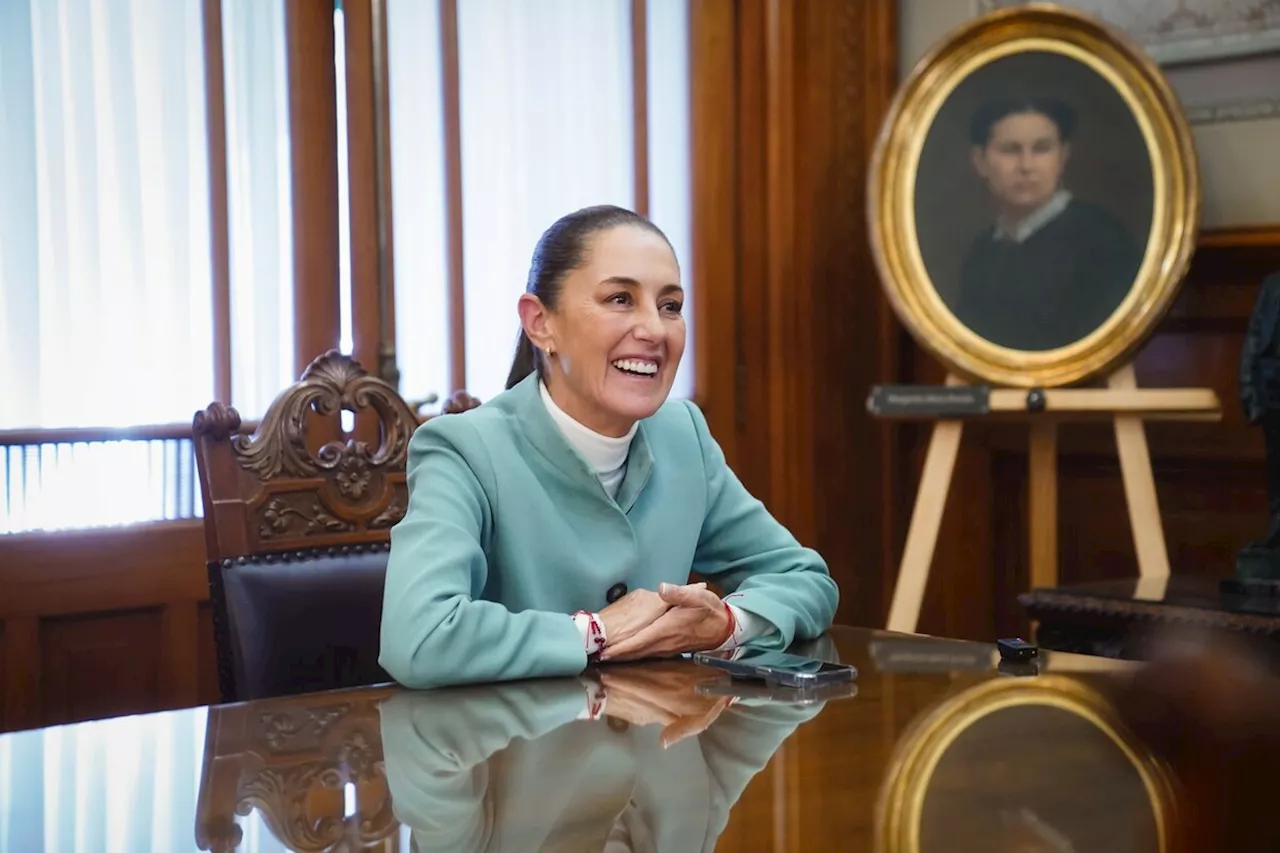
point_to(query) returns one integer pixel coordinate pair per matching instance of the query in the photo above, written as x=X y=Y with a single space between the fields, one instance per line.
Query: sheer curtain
x=670 y=186
x=105 y=265
x=418 y=197
x=546 y=126
x=259 y=202
x=104 y=224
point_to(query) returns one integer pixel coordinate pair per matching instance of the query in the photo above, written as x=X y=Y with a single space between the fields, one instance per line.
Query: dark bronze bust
x=1260 y=398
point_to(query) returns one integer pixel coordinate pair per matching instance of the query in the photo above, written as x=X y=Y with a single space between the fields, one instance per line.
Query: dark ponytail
x=525 y=362
x=560 y=250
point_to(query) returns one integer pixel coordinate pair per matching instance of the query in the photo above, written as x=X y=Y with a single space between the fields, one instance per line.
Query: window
x=107 y=291
x=545 y=124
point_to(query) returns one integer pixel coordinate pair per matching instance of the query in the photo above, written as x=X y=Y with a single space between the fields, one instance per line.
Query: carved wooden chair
x=297 y=518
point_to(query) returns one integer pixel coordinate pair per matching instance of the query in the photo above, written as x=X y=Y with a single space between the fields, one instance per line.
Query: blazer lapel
x=560 y=457
x=639 y=467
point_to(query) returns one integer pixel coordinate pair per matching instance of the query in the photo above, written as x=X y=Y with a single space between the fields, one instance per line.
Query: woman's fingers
x=691 y=595
x=693 y=724
x=645 y=640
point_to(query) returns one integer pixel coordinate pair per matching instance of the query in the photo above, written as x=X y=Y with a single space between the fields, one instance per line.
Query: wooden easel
x=1123 y=403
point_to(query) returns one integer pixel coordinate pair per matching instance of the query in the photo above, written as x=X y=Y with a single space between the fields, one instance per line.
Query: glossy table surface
x=938 y=748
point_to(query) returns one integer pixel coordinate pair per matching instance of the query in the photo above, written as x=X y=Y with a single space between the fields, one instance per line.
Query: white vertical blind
x=105 y=242
x=418 y=197
x=670 y=186
x=546 y=124
x=104 y=222
x=546 y=100
x=259 y=202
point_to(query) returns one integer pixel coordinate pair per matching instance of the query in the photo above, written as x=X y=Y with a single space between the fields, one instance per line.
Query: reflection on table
x=937 y=749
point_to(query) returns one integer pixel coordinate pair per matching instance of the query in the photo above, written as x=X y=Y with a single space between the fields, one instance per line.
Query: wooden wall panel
x=99 y=666
x=313 y=157
x=80 y=606
x=787 y=98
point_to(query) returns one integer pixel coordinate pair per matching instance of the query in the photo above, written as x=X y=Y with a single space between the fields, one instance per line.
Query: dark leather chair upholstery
x=297 y=624
x=297 y=518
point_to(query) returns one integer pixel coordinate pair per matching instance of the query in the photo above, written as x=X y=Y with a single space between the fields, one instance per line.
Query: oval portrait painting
x=1034 y=201
x=1034 y=198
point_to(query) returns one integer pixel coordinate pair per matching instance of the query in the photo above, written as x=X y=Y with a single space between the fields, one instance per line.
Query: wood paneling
x=98 y=622
x=1209 y=476
x=219 y=221
x=313 y=155
x=787 y=97
x=451 y=102
x=363 y=178
x=100 y=666
x=640 y=105
x=793 y=330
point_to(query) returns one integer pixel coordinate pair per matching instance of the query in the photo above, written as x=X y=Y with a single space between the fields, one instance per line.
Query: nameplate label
x=931 y=656
x=924 y=400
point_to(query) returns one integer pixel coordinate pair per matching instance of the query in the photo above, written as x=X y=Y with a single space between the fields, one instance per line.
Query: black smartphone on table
x=779 y=668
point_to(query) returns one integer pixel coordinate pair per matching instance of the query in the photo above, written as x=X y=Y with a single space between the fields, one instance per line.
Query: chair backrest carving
x=281 y=488
x=298 y=518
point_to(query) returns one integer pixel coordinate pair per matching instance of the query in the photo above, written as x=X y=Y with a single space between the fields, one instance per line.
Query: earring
x=550 y=352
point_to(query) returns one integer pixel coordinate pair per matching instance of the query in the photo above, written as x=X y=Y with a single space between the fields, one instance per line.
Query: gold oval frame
x=900 y=805
x=891 y=194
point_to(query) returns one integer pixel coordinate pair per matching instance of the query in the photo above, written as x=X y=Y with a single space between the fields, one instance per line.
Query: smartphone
x=777 y=667
x=738 y=688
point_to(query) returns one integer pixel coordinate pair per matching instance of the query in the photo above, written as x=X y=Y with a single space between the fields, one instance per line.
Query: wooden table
x=938 y=750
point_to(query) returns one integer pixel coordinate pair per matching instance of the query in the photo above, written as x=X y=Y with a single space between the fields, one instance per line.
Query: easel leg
x=1043 y=504
x=1140 y=489
x=926 y=520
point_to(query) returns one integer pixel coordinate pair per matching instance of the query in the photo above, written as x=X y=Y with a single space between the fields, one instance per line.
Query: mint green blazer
x=509 y=767
x=508 y=531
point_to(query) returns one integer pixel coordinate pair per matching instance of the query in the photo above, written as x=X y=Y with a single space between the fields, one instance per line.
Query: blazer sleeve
x=748 y=553
x=436 y=630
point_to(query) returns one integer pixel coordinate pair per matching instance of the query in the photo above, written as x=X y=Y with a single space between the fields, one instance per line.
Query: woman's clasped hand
x=676 y=619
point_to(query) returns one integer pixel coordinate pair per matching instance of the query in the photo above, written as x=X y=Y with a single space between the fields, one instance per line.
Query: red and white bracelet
x=592 y=629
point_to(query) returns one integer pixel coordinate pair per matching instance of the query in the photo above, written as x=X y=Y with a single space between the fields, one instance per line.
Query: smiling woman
x=560 y=522
x=602 y=318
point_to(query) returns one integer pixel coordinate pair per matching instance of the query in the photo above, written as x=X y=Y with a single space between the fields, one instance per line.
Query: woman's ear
x=535 y=318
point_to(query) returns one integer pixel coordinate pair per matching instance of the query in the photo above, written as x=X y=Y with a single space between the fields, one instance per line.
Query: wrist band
x=733 y=624
x=593 y=631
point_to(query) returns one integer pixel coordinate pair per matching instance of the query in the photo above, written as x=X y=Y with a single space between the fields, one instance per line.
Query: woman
x=1052 y=268
x=560 y=521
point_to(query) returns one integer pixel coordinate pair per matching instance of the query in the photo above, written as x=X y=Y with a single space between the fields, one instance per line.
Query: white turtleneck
x=607 y=457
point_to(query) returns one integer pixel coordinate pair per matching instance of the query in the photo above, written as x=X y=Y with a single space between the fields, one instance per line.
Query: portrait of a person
x=1052 y=267
x=561 y=522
